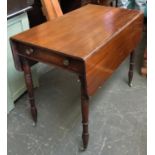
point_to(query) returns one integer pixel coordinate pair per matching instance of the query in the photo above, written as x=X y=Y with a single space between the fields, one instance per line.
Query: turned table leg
x=116 y=3
x=131 y=68
x=29 y=85
x=85 y=113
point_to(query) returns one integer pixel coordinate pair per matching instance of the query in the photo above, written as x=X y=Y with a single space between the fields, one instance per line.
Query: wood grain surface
x=102 y=37
x=51 y=9
x=91 y=41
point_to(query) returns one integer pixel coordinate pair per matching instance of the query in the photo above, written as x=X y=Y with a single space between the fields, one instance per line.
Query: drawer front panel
x=48 y=57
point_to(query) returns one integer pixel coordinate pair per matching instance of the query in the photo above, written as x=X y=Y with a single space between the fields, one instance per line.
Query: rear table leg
x=85 y=113
x=131 y=68
x=29 y=85
x=116 y=3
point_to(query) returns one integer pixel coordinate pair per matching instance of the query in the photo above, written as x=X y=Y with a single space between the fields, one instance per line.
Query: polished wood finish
x=29 y=85
x=85 y=111
x=91 y=41
x=87 y=33
x=46 y=56
x=51 y=9
x=144 y=67
x=131 y=67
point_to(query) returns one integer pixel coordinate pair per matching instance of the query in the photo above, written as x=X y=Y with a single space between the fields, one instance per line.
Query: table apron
x=48 y=57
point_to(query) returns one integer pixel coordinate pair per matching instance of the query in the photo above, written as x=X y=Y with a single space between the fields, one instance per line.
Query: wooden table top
x=81 y=32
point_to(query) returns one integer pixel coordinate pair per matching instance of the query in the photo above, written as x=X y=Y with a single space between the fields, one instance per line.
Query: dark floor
x=118 y=120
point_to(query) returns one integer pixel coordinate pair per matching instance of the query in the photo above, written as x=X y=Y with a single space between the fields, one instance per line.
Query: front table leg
x=29 y=85
x=131 y=67
x=85 y=112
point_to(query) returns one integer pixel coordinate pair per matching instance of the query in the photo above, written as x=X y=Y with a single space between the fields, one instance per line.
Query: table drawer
x=63 y=61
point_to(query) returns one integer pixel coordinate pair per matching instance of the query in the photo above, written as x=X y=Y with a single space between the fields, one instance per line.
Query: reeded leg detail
x=29 y=85
x=85 y=113
x=131 y=68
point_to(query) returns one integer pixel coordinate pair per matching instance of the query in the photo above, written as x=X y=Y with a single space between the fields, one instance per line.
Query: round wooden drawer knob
x=29 y=51
x=66 y=62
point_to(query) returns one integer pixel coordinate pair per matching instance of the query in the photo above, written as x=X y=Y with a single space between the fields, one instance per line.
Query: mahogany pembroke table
x=91 y=41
